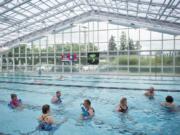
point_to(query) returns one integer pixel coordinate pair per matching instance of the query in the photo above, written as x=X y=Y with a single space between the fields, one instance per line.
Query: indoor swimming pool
x=144 y=117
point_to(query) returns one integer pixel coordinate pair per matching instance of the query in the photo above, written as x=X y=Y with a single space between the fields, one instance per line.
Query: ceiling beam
x=167 y=6
x=40 y=20
x=5 y=2
x=155 y=25
x=172 y=10
x=137 y=12
x=10 y=9
x=40 y=13
x=143 y=2
x=99 y=16
x=51 y=29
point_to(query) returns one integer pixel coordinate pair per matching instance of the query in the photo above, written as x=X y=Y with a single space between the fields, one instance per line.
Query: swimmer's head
x=87 y=103
x=123 y=100
x=45 y=109
x=58 y=93
x=169 y=99
x=13 y=96
x=151 y=90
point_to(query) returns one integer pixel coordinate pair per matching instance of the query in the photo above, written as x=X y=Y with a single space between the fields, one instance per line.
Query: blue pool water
x=145 y=116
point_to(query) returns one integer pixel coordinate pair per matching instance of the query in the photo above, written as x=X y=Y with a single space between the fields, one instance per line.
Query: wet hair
x=87 y=101
x=58 y=92
x=169 y=99
x=123 y=99
x=13 y=96
x=45 y=109
x=151 y=90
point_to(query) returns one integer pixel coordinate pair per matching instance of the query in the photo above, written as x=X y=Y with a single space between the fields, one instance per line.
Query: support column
x=128 y=49
x=108 y=48
x=54 y=37
x=0 y=63
x=63 y=50
x=162 y=63
x=174 y=57
x=71 y=50
x=40 y=53
x=13 y=59
x=26 y=58
x=47 y=52
x=79 y=49
x=139 y=56
x=7 y=63
x=32 y=56
x=150 y=64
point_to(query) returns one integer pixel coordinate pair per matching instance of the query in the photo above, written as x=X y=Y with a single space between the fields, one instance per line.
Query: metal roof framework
x=25 y=20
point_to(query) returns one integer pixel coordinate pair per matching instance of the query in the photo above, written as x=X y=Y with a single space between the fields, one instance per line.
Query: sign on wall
x=69 y=57
x=93 y=58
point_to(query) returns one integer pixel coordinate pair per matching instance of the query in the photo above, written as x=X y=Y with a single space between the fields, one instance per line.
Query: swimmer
x=15 y=102
x=87 y=110
x=123 y=105
x=45 y=120
x=149 y=92
x=57 y=98
x=61 y=78
x=38 y=81
x=169 y=102
x=39 y=72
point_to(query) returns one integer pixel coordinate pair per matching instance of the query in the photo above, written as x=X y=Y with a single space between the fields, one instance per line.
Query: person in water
x=61 y=77
x=57 y=98
x=87 y=110
x=123 y=107
x=39 y=72
x=15 y=102
x=169 y=102
x=149 y=92
x=45 y=120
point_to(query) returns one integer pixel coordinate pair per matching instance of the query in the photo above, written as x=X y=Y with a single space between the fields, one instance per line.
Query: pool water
x=145 y=116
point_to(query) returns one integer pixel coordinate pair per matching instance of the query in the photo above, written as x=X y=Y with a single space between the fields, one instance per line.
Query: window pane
x=156 y=45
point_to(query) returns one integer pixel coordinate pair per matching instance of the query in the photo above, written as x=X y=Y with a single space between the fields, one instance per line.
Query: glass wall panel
x=144 y=34
x=156 y=36
x=156 y=45
x=168 y=44
x=121 y=49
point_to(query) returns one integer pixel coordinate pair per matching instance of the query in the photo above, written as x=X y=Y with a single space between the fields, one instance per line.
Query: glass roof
x=21 y=17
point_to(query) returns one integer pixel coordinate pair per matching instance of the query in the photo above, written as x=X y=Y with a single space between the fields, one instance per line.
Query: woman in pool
x=38 y=82
x=45 y=120
x=149 y=92
x=15 y=102
x=169 y=102
x=61 y=77
x=123 y=107
x=87 y=110
x=57 y=98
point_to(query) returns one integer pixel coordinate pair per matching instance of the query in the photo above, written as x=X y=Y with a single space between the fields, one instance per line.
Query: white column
x=7 y=63
x=71 y=49
x=174 y=57
x=108 y=47
x=79 y=49
x=139 y=56
x=128 y=48
x=39 y=48
x=162 y=63
x=63 y=51
x=150 y=54
x=54 y=38
x=13 y=59
x=47 y=52
x=32 y=55
x=0 y=63
x=26 y=58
